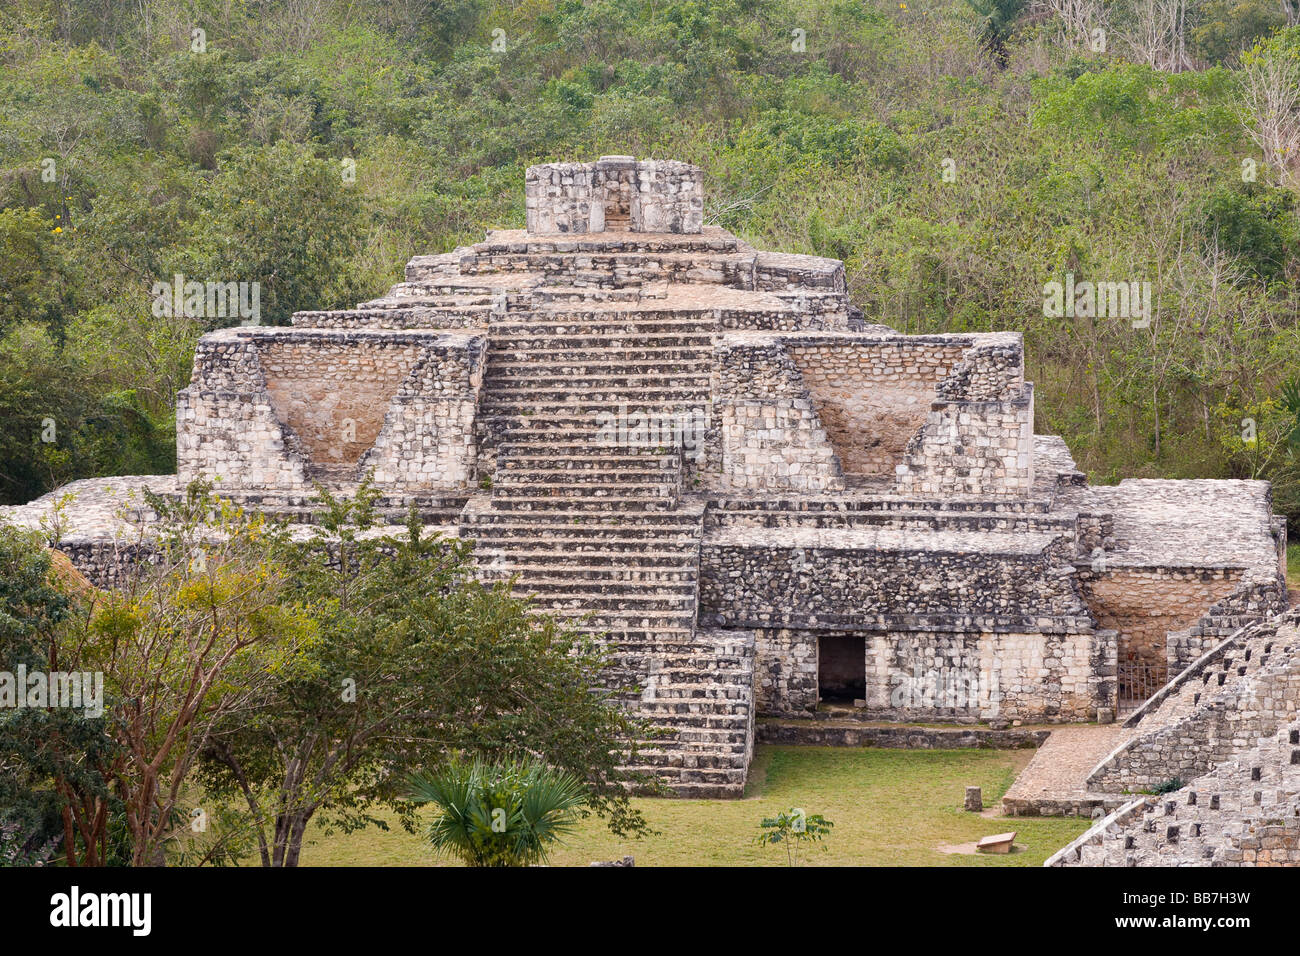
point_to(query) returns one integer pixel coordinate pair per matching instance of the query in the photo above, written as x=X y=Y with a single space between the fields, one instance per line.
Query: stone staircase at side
x=1234 y=696
x=1245 y=812
x=586 y=513
x=587 y=517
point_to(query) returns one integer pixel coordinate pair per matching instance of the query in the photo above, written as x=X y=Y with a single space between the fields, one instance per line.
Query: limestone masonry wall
x=1148 y=604
x=614 y=193
x=873 y=397
x=972 y=448
x=1235 y=698
x=951 y=676
x=280 y=408
x=1244 y=812
x=840 y=513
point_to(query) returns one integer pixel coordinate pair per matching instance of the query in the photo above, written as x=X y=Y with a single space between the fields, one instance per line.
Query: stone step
x=615 y=461
x=676 y=539
x=596 y=429
x=729 y=741
x=729 y=707
x=688 y=647
x=707 y=241
x=504 y=368
x=522 y=344
x=733 y=686
x=582 y=521
x=649 y=357
x=517 y=398
x=605 y=363
x=734 y=268
x=679 y=677
x=663 y=657
x=551 y=579
x=601 y=321
x=568 y=487
x=620 y=635
x=675 y=723
x=600 y=594
x=636 y=601
x=723 y=759
x=557 y=581
x=702 y=777
x=595 y=505
x=588 y=411
x=602 y=557
x=451 y=312
x=628 y=631
x=604 y=547
x=513 y=472
x=594 y=453
x=572 y=380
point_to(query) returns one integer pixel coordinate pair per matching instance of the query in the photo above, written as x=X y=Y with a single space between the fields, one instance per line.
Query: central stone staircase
x=587 y=516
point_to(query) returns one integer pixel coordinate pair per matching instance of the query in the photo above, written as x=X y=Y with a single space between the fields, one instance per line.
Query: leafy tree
x=1226 y=28
x=36 y=282
x=499 y=814
x=414 y=659
x=286 y=219
x=55 y=763
x=997 y=21
x=1255 y=226
x=194 y=633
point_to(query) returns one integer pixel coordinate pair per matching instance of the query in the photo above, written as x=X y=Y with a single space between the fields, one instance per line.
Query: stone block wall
x=787 y=271
x=276 y=409
x=872 y=397
x=785 y=672
x=883 y=581
x=770 y=436
x=615 y=193
x=1149 y=604
x=936 y=416
x=333 y=394
x=428 y=437
x=1244 y=812
x=972 y=448
x=225 y=424
x=1002 y=635
x=466 y=317
x=949 y=676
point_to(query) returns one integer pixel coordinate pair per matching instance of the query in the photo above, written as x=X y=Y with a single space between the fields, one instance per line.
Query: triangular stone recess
x=871 y=400
x=333 y=396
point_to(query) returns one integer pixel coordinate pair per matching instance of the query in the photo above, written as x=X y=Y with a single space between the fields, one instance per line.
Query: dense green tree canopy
x=958 y=155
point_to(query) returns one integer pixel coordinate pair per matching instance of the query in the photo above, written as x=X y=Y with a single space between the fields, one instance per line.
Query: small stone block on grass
x=997 y=843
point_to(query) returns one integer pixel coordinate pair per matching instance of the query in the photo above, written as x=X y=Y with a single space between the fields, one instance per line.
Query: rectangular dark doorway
x=841 y=668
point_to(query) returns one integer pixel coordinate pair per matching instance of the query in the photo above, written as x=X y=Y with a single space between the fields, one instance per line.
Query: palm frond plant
x=506 y=813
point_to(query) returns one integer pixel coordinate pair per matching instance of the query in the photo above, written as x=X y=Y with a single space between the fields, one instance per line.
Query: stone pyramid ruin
x=705 y=454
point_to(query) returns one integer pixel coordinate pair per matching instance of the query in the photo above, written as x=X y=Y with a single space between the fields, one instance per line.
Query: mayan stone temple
x=773 y=509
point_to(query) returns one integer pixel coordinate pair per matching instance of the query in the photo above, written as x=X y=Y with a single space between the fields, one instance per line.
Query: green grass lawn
x=889 y=807
x=1293 y=566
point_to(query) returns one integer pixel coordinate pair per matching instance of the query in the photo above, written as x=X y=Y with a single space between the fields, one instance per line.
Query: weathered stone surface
x=1244 y=812
x=703 y=453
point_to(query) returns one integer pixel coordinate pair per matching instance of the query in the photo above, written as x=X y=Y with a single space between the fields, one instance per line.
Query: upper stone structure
x=614 y=194
x=704 y=454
